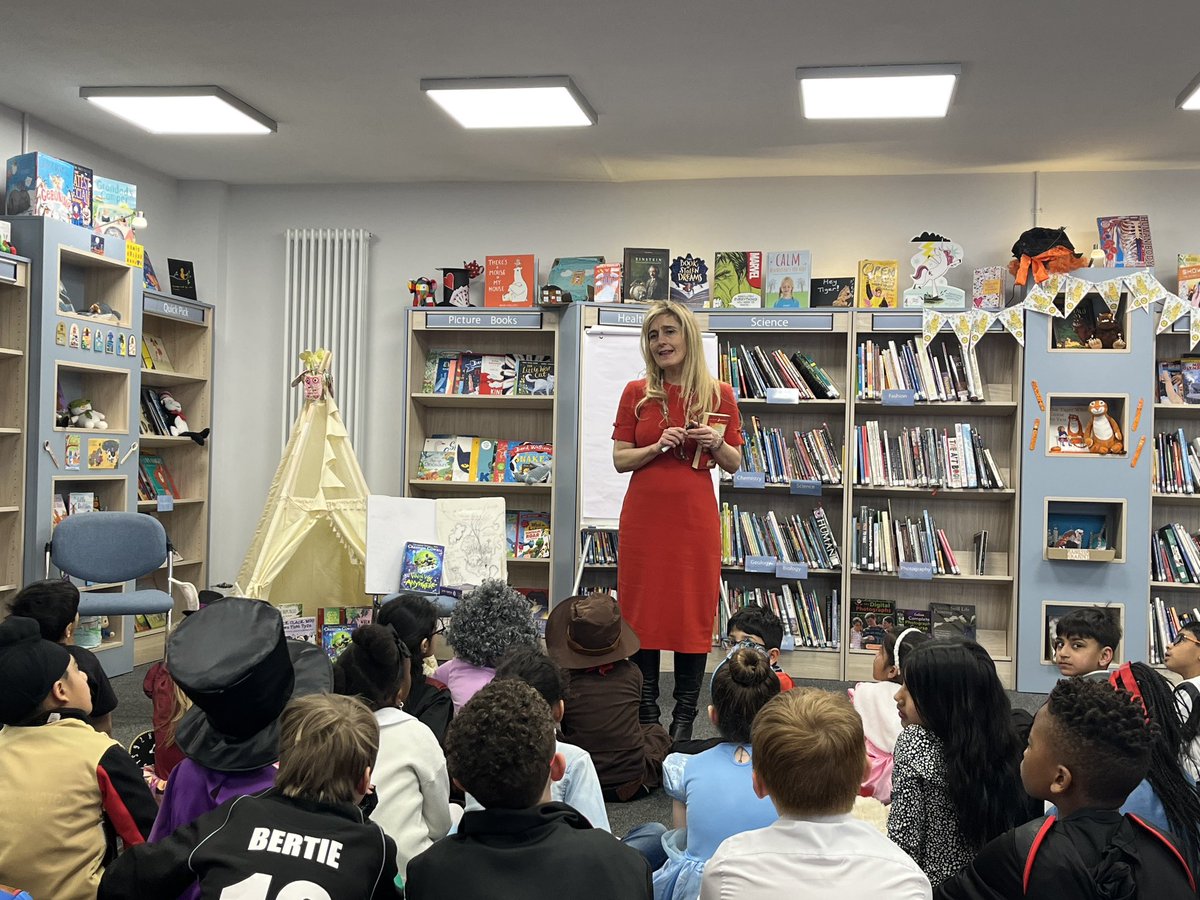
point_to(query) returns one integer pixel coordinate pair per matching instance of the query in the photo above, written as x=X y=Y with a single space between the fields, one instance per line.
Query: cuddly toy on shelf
x=81 y=415
x=1107 y=335
x=176 y=423
x=1102 y=434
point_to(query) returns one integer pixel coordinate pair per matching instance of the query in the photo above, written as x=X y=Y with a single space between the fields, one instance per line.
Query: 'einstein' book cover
x=644 y=274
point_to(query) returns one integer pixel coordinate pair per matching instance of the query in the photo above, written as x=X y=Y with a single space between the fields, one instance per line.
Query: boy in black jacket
x=305 y=837
x=1089 y=747
x=500 y=749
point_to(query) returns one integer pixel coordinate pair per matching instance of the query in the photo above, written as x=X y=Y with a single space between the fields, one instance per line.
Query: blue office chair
x=113 y=547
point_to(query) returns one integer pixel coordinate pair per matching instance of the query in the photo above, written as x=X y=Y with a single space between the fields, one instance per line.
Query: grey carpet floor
x=132 y=717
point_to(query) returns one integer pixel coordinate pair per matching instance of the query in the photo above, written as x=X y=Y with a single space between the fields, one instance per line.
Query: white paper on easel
x=472 y=531
x=391 y=523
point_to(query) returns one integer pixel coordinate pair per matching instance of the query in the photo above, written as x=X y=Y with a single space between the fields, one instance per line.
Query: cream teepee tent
x=310 y=543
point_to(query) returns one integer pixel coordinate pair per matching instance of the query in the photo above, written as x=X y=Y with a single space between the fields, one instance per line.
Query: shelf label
x=916 y=571
x=765 y=564
x=788 y=642
x=792 y=570
x=175 y=309
x=896 y=321
x=752 y=480
x=1078 y=555
x=166 y=502
x=621 y=317
x=531 y=320
x=8 y=271
x=806 y=487
x=898 y=397
x=783 y=395
x=718 y=320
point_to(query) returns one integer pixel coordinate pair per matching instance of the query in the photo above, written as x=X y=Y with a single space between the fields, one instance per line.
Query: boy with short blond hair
x=306 y=830
x=809 y=757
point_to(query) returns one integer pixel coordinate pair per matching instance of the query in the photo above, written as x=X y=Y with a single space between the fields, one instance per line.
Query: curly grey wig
x=488 y=621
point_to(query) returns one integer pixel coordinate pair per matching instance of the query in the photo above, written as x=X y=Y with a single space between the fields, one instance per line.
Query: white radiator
x=325 y=291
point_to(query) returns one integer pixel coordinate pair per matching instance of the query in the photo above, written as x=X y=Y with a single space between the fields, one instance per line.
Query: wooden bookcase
x=185 y=328
x=959 y=512
x=514 y=418
x=14 y=375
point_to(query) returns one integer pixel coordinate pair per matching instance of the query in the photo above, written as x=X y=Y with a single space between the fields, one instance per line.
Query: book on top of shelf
x=575 y=276
x=530 y=462
x=436 y=462
x=535 y=376
x=510 y=280
x=113 y=205
x=645 y=274
x=183 y=278
x=161 y=361
x=987 y=288
x=877 y=284
x=835 y=292
x=149 y=277
x=788 y=277
x=607 y=283
x=737 y=279
x=421 y=570
x=1189 y=278
x=1125 y=241
x=953 y=620
x=689 y=280
x=870 y=620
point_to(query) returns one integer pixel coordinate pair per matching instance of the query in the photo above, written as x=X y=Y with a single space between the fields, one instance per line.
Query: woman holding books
x=672 y=427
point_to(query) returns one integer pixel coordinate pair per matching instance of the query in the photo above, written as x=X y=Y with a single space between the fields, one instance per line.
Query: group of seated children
x=286 y=788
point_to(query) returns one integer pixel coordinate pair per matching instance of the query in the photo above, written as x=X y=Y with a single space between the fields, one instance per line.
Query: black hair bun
x=377 y=644
x=749 y=668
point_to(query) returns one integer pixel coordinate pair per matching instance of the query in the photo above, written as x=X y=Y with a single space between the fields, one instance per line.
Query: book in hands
x=718 y=422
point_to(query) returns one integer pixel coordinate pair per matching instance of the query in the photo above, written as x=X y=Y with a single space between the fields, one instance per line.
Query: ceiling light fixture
x=192 y=109
x=1190 y=98
x=550 y=101
x=878 y=92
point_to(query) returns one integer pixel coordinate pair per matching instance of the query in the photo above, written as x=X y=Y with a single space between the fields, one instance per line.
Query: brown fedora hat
x=582 y=632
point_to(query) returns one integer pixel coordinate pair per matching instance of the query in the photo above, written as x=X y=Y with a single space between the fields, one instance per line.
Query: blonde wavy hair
x=699 y=390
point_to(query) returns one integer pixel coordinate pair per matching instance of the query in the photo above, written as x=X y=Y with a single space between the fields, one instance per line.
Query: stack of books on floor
x=752 y=371
x=933 y=376
x=921 y=457
x=1165 y=624
x=882 y=542
x=488 y=374
x=793 y=538
x=602 y=550
x=1176 y=463
x=473 y=459
x=810 y=455
x=809 y=620
x=1174 y=555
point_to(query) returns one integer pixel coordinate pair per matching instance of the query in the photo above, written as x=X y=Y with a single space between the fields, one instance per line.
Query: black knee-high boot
x=648 y=662
x=689 y=675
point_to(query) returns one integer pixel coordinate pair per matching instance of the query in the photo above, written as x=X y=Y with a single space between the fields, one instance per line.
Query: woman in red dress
x=669 y=564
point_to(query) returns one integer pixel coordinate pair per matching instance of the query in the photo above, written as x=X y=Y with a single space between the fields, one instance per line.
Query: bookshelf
x=959 y=512
x=79 y=284
x=14 y=369
x=184 y=328
x=505 y=417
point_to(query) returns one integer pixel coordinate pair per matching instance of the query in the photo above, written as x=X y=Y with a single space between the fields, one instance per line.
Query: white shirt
x=410 y=779
x=834 y=857
x=1183 y=703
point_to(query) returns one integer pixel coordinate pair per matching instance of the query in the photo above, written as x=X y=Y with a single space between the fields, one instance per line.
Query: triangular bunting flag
x=1145 y=289
x=981 y=321
x=1042 y=301
x=1013 y=320
x=1172 y=309
x=1111 y=292
x=1073 y=291
x=931 y=323
x=1194 y=322
x=961 y=323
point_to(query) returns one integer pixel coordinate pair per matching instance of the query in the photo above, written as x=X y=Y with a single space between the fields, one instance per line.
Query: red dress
x=669 y=563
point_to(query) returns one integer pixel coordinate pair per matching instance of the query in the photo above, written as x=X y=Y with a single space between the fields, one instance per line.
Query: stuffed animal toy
x=1102 y=434
x=1108 y=333
x=176 y=423
x=81 y=415
x=1044 y=251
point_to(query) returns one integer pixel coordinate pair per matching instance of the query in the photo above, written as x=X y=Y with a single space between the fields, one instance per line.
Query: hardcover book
x=870 y=620
x=737 y=279
x=644 y=273
x=913 y=618
x=535 y=376
x=464 y=448
x=788 y=275
x=436 y=462
x=718 y=422
x=607 y=279
x=953 y=620
x=301 y=628
x=877 y=280
x=114 y=203
x=529 y=461
x=1189 y=278
x=835 y=292
x=1125 y=241
x=575 y=276
x=152 y=346
x=491 y=375
x=158 y=473
x=81 y=502
x=987 y=288
x=149 y=278
x=510 y=281
x=421 y=571
x=59 y=510
x=533 y=535
x=689 y=280
x=183 y=278
x=335 y=639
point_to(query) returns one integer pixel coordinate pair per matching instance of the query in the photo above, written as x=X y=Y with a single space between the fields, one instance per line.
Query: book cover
x=469 y=373
x=335 y=639
x=436 y=462
x=183 y=277
x=72 y=452
x=718 y=422
x=59 y=509
x=1189 y=278
x=1125 y=241
x=737 y=279
x=689 y=280
x=535 y=376
x=114 y=203
x=953 y=620
x=987 y=288
x=484 y=459
x=835 y=292
x=1170 y=381
x=529 y=461
x=870 y=620
x=913 y=618
x=158 y=473
x=533 y=535
x=81 y=502
x=491 y=375
x=789 y=273
x=877 y=281
x=500 y=466
x=644 y=273
x=607 y=279
x=154 y=347
x=301 y=628
x=1189 y=370
x=1065 y=428
x=575 y=276
x=510 y=280
x=102 y=453
x=510 y=532
x=149 y=278
x=464 y=447
x=421 y=571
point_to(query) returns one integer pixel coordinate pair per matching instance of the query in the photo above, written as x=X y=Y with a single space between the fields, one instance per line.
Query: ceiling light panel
x=204 y=109
x=537 y=102
x=878 y=92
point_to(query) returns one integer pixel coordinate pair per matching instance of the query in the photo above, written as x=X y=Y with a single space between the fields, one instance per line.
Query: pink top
x=463 y=679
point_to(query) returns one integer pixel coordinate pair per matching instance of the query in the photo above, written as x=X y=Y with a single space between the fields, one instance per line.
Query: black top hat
x=582 y=632
x=232 y=660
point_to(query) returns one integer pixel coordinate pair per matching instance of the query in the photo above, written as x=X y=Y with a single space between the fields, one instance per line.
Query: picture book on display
x=149 y=278
x=645 y=274
x=487 y=374
x=81 y=502
x=338 y=624
x=870 y=620
x=1189 y=278
x=301 y=628
x=535 y=376
x=421 y=571
x=113 y=205
x=737 y=279
x=789 y=273
x=689 y=280
x=575 y=276
x=953 y=620
x=159 y=475
x=533 y=535
x=607 y=283
x=510 y=281
x=154 y=349
x=183 y=278
x=877 y=284
x=913 y=618
x=987 y=288
x=472 y=458
x=835 y=292
x=1125 y=241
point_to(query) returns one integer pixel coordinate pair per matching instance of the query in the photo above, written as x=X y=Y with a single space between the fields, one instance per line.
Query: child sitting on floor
x=808 y=759
x=54 y=605
x=588 y=637
x=484 y=625
x=415 y=620
x=757 y=628
x=875 y=702
x=1086 y=640
x=410 y=778
x=1183 y=659
x=303 y=838
x=1088 y=748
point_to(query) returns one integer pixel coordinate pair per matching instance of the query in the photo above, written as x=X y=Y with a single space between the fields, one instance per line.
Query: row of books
x=1179 y=380
x=950 y=375
x=752 y=371
x=882 y=541
x=1176 y=467
x=72 y=504
x=153 y=416
x=527 y=533
x=1165 y=624
x=811 y=455
x=149 y=621
x=488 y=374
x=920 y=457
x=154 y=478
x=601 y=550
x=469 y=458
x=1175 y=555
x=795 y=538
x=809 y=619
x=871 y=620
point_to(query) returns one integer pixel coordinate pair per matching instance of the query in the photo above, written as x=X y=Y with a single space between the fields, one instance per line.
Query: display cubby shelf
x=105 y=386
x=14 y=375
x=94 y=280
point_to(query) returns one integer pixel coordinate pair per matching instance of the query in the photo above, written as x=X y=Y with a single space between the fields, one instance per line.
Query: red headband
x=1122 y=679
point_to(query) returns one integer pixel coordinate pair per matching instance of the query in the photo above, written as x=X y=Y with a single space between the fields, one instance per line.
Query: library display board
x=14 y=367
x=1085 y=488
